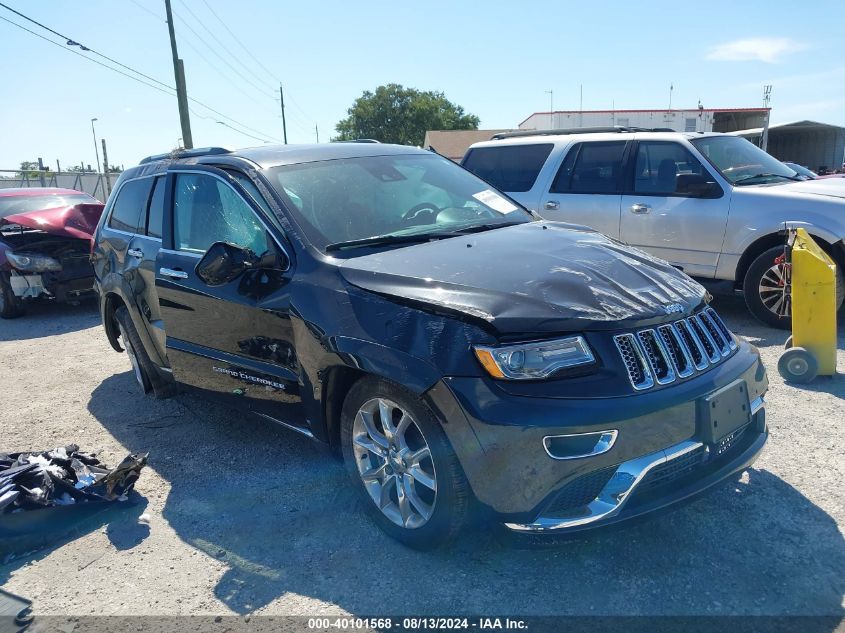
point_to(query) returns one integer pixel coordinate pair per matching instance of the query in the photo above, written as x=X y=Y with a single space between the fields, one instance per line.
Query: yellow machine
x=812 y=275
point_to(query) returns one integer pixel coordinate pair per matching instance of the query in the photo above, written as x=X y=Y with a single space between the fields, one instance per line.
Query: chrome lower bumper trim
x=616 y=492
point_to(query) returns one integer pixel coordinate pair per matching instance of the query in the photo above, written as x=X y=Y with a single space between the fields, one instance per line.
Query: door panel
x=686 y=231
x=587 y=187
x=222 y=339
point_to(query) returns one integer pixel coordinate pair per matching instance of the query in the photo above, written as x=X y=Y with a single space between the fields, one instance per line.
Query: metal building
x=819 y=146
x=688 y=120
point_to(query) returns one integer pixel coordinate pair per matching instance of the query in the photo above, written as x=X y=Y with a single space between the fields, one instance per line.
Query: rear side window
x=127 y=212
x=508 y=167
x=591 y=168
x=156 y=213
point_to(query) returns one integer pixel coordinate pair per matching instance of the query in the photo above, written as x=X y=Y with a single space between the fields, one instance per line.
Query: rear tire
x=434 y=490
x=146 y=374
x=11 y=306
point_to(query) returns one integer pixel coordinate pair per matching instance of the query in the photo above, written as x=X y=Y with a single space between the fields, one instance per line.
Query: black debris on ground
x=44 y=496
x=62 y=476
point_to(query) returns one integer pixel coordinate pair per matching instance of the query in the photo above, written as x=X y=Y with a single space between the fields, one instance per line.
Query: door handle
x=640 y=208
x=173 y=274
x=551 y=205
x=135 y=252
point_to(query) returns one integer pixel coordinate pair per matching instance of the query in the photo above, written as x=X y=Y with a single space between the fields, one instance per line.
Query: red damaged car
x=45 y=243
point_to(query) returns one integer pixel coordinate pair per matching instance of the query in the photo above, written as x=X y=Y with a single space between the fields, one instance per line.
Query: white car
x=713 y=205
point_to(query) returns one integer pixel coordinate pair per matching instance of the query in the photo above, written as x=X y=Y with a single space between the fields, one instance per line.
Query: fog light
x=578 y=445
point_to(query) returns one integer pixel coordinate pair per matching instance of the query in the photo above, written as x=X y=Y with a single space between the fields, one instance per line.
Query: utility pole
x=58 y=166
x=671 y=88
x=41 y=172
x=106 y=168
x=317 y=132
x=767 y=99
x=581 y=108
x=551 y=94
x=96 y=151
x=284 y=124
x=181 y=87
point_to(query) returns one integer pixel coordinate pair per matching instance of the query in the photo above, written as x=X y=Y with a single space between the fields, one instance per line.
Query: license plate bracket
x=723 y=411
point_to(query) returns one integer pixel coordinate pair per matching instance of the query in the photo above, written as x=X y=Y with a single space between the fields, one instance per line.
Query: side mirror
x=697 y=186
x=224 y=262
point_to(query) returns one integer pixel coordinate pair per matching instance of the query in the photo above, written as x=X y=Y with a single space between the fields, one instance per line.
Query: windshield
x=742 y=162
x=346 y=200
x=10 y=205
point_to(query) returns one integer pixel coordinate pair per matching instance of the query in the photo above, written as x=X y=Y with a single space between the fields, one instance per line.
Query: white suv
x=713 y=205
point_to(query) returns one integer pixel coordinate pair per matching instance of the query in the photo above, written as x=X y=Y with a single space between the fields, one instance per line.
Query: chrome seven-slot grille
x=675 y=350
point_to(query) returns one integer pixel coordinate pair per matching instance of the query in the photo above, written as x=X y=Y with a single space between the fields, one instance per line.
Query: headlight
x=531 y=361
x=33 y=263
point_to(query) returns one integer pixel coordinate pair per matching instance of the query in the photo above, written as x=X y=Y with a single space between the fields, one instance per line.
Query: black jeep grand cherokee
x=455 y=347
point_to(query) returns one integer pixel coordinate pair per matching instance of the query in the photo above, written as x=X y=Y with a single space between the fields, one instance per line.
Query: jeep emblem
x=673 y=307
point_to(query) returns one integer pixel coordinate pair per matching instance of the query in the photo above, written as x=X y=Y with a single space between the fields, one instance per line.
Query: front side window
x=659 y=164
x=508 y=167
x=742 y=162
x=207 y=210
x=391 y=196
x=591 y=168
x=129 y=206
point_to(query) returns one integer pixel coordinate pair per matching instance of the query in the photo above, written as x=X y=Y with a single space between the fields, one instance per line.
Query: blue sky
x=496 y=59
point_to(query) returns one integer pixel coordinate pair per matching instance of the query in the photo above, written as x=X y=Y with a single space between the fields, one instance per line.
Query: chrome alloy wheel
x=394 y=461
x=776 y=289
x=130 y=352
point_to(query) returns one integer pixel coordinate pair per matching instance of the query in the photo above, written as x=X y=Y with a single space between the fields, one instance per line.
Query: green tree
x=395 y=114
x=28 y=169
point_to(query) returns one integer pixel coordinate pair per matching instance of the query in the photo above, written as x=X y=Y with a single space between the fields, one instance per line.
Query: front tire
x=11 y=306
x=767 y=288
x=402 y=465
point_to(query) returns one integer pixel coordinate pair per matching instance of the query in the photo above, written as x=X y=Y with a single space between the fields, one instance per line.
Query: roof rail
x=186 y=153
x=359 y=140
x=578 y=130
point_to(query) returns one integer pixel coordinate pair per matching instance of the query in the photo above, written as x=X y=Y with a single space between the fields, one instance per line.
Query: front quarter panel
x=760 y=211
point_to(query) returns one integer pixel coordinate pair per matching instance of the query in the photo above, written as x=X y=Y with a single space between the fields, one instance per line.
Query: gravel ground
x=246 y=518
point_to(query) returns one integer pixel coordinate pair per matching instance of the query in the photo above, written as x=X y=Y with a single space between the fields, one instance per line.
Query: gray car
x=713 y=205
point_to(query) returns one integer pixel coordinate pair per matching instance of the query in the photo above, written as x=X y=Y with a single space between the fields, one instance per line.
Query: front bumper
x=688 y=480
x=499 y=440
x=52 y=284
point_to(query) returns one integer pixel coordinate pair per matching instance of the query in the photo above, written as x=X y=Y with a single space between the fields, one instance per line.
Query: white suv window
x=658 y=165
x=512 y=168
x=591 y=168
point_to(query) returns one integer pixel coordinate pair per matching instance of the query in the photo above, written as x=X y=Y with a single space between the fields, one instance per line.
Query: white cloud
x=764 y=49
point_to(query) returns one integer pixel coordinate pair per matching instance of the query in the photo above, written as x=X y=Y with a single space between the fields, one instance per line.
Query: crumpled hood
x=834 y=187
x=78 y=221
x=534 y=277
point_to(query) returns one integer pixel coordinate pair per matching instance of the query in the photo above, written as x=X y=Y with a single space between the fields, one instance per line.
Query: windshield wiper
x=377 y=240
x=389 y=238
x=756 y=176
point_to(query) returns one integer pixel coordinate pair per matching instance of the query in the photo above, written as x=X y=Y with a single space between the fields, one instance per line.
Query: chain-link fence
x=98 y=185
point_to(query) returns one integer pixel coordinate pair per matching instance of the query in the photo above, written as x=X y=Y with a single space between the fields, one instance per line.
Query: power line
x=71 y=42
x=70 y=50
x=269 y=72
x=212 y=49
x=241 y=44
